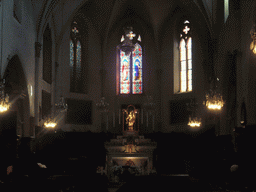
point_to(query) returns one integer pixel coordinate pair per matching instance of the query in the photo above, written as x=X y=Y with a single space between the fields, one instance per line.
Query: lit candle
x=141 y=116
x=119 y=116
x=113 y=119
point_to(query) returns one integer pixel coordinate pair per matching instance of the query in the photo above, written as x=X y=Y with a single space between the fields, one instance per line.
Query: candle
x=113 y=119
x=147 y=119
x=119 y=116
x=141 y=116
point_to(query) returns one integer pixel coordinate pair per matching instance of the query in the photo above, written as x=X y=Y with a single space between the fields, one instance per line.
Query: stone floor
x=176 y=182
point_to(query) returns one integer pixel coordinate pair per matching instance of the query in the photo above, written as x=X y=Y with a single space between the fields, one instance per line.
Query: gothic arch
x=15 y=85
x=170 y=25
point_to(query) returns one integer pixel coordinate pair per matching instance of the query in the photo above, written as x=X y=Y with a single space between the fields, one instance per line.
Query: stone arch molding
x=17 y=89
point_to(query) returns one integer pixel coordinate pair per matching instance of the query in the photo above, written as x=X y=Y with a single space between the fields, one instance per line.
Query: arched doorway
x=16 y=120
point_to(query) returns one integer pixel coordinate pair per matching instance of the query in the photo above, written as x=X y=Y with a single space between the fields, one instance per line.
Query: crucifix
x=75 y=30
x=130 y=35
x=186 y=29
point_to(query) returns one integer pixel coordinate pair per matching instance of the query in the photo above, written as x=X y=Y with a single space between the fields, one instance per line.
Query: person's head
x=125 y=62
x=137 y=62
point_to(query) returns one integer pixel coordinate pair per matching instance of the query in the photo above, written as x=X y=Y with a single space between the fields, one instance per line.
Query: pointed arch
x=185 y=61
x=130 y=70
x=76 y=73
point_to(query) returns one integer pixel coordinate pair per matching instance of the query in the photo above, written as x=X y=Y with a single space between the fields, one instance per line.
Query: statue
x=130 y=120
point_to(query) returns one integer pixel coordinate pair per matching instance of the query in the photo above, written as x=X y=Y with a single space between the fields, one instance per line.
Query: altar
x=129 y=151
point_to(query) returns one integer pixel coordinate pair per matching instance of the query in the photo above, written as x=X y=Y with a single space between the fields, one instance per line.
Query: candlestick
x=141 y=116
x=113 y=119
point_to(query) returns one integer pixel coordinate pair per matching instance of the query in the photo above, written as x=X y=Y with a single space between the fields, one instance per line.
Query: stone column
x=37 y=58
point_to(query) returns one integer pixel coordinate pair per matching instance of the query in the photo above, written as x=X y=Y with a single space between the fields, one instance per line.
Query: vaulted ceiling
x=104 y=14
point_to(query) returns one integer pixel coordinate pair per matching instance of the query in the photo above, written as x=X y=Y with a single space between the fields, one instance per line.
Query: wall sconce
x=253 y=36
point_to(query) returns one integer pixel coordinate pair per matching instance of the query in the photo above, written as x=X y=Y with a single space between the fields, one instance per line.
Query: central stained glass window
x=131 y=71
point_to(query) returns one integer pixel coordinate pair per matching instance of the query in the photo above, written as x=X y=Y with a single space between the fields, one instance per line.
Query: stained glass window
x=137 y=70
x=185 y=59
x=76 y=84
x=71 y=63
x=124 y=73
x=131 y=71
x=78 y=60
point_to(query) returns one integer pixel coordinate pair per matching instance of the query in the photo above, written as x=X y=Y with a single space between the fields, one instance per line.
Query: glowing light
x=214 y=102
x=3 y=108
x=50 y=124
x=4 y=104
x=194 y=122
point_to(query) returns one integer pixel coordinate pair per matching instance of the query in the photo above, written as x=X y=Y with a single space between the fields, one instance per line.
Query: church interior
x=118 y=95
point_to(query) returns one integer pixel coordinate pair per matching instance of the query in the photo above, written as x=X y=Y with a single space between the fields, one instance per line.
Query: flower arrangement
x=41 y=165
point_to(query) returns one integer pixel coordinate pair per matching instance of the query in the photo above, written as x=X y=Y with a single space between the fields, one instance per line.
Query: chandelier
x=253 y=36
x=128 y=42
x=213 y=99
x=62 y=106
x=193 y=120
x=102 y=105
x=49 y=122
x=149 y=104
x=4 y=98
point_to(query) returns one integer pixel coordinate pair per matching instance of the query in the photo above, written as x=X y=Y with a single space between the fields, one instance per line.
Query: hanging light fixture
x=4 y=98
x=102 y=105
x=49 y=122
x=253 y=36
x=62 y=105
x=194 y=121
x=149 y=104
x=213 y=99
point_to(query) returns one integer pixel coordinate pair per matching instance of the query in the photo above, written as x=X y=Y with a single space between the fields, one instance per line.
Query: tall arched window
x=76 y=79
x=185 y=48
x=130 y=79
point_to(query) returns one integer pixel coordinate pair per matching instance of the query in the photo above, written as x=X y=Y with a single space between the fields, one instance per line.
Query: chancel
x=130 y=149
x=98 y=92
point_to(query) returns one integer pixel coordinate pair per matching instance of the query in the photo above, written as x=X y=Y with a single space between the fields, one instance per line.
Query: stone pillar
x=37 y=58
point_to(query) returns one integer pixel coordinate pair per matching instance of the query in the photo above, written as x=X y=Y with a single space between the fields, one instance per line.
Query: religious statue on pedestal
x=130 y=120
